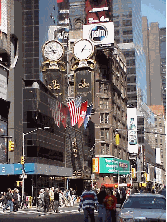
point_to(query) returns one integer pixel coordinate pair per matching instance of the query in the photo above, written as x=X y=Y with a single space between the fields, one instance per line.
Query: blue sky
x=155 y=10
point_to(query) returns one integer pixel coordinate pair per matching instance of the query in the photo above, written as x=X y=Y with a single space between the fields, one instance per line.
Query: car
x=143 y=207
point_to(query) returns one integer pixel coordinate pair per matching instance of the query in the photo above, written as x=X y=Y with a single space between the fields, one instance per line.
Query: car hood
x=142 y=213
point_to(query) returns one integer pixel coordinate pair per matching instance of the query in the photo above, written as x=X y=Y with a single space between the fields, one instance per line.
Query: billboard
x=3 y=84
x=95 y=165
x=63 y=12
x=96 y=11
x=132 y=130
x=158 y=155
x=113 y=165
x=100 y=33
x=3 y=16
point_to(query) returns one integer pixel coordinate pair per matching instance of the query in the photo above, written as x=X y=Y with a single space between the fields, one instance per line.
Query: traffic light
x=11 y=146
x=22 y=159
x=79 y=173
x=19 y=183
x=117 y=139
x=74 y=173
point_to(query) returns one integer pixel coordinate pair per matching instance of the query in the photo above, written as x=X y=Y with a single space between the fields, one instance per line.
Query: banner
x=63 y=115
x=74 y=108
x=3 y=16
x=88 y=114
x=82 y=113
x=96 y=11
x=132 y=130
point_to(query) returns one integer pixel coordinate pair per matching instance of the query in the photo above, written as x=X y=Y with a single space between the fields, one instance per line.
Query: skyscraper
x=154 y=63
x=128 y=35
x=162 y=35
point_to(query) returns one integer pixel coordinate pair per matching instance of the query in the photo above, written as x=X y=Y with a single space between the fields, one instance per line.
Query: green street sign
x=113 y=165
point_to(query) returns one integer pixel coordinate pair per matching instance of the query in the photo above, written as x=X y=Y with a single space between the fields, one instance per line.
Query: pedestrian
x=88 y=202
x=117 y=196
x=56 y=200
x=101 y=207
x=46 y=200
x=110 y=204
x=15 y=202
x=9 y=199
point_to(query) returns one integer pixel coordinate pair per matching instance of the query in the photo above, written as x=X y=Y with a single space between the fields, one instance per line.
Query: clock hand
x=83 y=48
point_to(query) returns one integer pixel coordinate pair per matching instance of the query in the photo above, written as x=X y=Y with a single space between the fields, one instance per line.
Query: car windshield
x=145 y=202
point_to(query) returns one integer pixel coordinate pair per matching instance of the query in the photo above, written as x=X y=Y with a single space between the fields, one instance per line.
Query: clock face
x=83 y=49
x=53 y=50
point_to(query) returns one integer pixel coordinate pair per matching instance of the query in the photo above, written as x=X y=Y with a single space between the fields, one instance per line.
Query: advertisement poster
x=3 y=16
x=95 y=165
x=96 y=11
x=100 y=33
x=132 y=130
x=113 y=165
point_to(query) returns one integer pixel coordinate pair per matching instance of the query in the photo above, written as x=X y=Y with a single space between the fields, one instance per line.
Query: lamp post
x=23 y=170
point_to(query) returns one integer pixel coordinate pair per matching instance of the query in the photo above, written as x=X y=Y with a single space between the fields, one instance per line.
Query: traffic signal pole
x=23 y=172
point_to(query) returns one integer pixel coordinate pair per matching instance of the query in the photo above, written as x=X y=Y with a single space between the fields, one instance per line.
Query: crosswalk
x=35 y=212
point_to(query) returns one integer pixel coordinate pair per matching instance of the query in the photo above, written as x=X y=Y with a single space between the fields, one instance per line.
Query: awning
x=35 y=168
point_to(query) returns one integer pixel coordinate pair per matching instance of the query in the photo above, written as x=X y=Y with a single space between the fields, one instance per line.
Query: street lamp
x=23 y=172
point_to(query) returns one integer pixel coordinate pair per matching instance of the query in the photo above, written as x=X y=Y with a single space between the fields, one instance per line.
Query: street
x=69 y=214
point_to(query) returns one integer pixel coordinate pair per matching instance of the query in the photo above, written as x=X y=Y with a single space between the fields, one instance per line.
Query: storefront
x=37 y=176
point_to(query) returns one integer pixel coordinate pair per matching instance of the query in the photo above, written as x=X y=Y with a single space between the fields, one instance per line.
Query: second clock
x=83 y=49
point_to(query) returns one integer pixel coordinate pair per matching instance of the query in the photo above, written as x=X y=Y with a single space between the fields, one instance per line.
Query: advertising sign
x=3 y=16
x=113 y=165
x=132 y=130
x=100 y=33
x=3 y=84
x=95 y=165
x=63 y=12
x=96 y=11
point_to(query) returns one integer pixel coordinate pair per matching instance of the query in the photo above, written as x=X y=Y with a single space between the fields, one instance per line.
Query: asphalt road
x=66 y=214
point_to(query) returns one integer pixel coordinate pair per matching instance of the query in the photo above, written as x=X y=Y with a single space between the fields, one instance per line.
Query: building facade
x=128 y=35
x=162 y=35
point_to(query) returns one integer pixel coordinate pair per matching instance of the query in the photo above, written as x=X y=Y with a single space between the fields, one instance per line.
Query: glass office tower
x=128 y=35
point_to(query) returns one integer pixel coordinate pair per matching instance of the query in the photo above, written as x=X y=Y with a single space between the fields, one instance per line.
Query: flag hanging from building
x=74 y=107
x=82 y=113
x=88 y=114
x=59 y=1
x=63 y=115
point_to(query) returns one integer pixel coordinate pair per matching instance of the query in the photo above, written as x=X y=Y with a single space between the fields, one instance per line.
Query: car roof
x=146 y=194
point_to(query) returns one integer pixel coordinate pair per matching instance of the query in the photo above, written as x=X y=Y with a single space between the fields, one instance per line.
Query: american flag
x=75 y=108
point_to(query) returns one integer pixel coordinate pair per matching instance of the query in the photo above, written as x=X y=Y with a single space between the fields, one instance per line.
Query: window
x=103 y=88
x=127 y=22
x=105 y=149
x=127 y=32
x=116 y=24
x=102 y=149
x=116 y=32
x=104 y=117
x=104 y=103
x=104 y=134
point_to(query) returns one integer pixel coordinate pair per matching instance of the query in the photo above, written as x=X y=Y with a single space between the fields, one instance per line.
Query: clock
x=53 y=50
x=83 y=49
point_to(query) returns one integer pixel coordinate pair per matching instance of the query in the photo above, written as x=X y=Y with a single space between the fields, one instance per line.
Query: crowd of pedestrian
x=51 y=199
x=48 y=199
